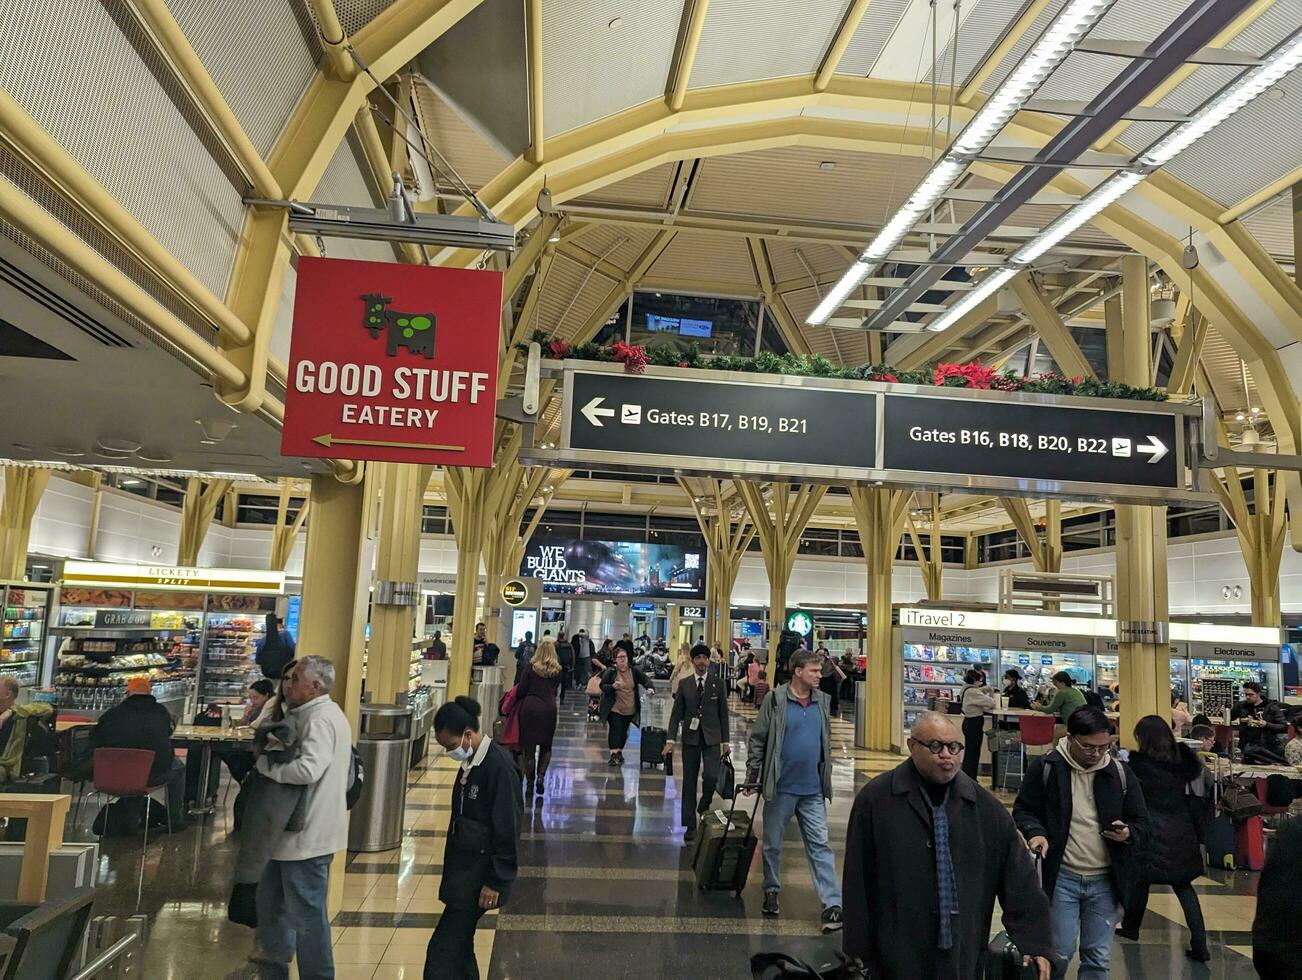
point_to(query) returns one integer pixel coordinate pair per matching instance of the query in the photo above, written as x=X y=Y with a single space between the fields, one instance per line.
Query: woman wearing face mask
x=479 y=859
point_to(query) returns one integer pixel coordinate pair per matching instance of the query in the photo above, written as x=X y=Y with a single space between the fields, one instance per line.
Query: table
x=206 y=736
x=1016 y=712
x=61 y=726
x=45 y=814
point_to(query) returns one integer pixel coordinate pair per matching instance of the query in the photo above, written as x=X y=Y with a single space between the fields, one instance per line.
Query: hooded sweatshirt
x=1086 y=852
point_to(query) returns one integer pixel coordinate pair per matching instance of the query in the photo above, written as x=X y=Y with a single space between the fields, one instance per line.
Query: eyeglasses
x=935 y=748
x=1088 y=749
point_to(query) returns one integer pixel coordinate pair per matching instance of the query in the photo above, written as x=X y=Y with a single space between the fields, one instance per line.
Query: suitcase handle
x=736 y=790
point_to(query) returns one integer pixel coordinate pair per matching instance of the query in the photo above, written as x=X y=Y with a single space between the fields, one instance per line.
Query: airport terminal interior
x=680 y=381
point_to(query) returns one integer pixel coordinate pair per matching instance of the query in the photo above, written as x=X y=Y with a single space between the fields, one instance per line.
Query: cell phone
x=1113 y=827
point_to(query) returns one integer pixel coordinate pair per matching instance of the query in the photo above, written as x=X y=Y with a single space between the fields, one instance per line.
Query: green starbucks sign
x=800 y=622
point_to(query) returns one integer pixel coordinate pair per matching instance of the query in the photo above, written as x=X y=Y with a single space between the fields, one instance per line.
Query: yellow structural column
x=671 y=629
x=197 y=510
x=336 y=578
x=22 y=495
x=879 y=516
x=397 y=560
x=1144 y=672
x=780 y=516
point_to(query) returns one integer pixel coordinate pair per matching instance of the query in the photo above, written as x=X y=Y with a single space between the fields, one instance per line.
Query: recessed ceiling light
x=1256 y=409
x=123 y=446
x=615 y=23
x=23 y=447
x=153 y=456
x=827 y=165
x=70 y=451
x=1239 y=416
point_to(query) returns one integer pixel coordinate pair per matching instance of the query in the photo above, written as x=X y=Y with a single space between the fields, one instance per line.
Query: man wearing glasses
x=1083 y=811
x=908 y=916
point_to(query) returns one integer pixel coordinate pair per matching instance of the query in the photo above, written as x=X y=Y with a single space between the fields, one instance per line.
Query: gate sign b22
x=393 y=363
x=707 y=422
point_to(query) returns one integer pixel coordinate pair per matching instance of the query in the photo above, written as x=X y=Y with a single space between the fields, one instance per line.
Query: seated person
x=140 y=722
x=1262 y=726
x=1293 y=751
x=13 y=727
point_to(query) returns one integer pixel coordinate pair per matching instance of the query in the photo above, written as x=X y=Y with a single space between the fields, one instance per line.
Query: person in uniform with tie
x=701 y=709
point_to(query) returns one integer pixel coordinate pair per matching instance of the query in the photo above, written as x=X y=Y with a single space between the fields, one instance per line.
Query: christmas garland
x=635 y=358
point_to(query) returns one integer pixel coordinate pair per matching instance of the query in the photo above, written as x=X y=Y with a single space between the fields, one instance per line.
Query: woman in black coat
x=1178 y=795
x=479 y=858
x=536 y=702
x=621 y=702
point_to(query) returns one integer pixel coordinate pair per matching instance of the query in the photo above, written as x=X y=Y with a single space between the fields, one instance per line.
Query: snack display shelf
x=22 y=630
x=227 y=663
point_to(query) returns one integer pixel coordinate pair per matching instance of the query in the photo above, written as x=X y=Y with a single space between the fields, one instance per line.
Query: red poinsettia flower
x=885 y=376
x=558 y=348
x=632 y=356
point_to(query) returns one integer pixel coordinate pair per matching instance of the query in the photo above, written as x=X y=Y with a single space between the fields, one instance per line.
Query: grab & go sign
x=393 y=363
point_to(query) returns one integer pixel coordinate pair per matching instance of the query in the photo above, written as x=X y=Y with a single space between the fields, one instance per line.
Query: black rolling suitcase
x=653 y=747
x=725 y=847
x=1004 y=961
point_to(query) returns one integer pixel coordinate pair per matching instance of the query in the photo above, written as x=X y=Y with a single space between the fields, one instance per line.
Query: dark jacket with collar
x=1043 y=809
x=483 y=832
x=139 y=722
x=892 y=907
x=712 y=710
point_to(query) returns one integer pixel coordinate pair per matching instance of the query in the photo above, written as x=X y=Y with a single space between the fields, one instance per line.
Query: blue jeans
x=292 y=919
x=811 y=814
x=1084 y=910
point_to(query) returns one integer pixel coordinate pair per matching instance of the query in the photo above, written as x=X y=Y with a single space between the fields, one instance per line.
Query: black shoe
x=614 y=759
x=1125 y=932
x=770 y=903
x=689 y=835
x=540 y=791
x=1198 y=955
x=832 y=918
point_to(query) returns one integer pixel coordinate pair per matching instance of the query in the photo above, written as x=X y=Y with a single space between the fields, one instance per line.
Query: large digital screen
x=615 y=568
x=683 y=326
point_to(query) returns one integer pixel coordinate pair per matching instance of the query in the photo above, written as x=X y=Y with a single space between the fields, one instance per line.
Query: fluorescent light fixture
x=1248 y=86
x=1106 y=193
x=1075 y=21
x=986 y=288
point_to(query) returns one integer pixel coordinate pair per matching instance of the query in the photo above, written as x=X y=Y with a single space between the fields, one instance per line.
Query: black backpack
x=354 y=792
x=272 y=658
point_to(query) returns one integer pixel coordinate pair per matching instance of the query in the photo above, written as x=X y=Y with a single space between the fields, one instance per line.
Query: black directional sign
x=693 y=420
x=983 y=437
x=725 y=424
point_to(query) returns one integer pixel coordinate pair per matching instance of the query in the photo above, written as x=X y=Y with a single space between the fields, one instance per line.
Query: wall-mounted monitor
x=615 y=568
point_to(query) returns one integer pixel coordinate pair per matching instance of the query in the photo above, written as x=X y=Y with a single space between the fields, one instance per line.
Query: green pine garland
x=817 y=366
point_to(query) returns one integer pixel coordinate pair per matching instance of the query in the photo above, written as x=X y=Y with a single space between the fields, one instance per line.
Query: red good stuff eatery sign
x=393 y=363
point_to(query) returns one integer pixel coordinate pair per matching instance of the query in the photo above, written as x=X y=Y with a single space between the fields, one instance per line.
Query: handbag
x=594 y=686
x=1239 y=802
x=727 y=788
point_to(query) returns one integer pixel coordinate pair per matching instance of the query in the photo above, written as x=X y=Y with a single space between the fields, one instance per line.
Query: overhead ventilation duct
x=479 y=67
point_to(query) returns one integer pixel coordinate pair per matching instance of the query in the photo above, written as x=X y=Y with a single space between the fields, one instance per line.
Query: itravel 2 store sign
x=393 y=363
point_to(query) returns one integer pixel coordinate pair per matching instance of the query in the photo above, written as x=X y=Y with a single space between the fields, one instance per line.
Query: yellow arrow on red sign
x=328 y=440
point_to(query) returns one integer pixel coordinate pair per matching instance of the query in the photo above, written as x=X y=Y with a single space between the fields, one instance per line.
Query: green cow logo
x=415 y=331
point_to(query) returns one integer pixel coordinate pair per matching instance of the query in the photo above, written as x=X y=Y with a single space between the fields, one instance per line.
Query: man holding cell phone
x=1082 y=810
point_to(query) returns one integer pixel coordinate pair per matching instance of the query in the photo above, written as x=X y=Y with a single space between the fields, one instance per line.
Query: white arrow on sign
x=593 y=412
x=1155 y=447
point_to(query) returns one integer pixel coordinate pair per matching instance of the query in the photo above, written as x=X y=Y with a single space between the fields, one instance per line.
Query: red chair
x=1224 y=737
x=123 y=774
x=1034 y=731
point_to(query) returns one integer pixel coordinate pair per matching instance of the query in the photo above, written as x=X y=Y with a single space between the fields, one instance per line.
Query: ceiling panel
x=1225 y=371
x=256 y=54
x=591 y=70
x=649 y=189
x=706 y=257
x=838 y=346
x=980 y=31
x=569 y=297
x=618 y=244
x=72 y=69
x=785 y=258
x=744 y=40
x=1272 y=226
x=343 y=182
x=875 y=32
x=472 y=156
x=355 y=14
x=861 y=188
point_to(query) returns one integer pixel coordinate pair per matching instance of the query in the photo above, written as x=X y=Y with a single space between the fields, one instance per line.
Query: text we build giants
x=550 y=566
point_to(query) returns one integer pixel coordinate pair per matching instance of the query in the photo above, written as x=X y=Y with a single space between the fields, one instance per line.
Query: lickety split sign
x=393 y=363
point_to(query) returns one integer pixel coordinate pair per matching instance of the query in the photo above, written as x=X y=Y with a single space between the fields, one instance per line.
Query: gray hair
x=318 y=669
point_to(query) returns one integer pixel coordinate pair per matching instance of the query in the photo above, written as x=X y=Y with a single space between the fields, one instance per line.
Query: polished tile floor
x=605 y=889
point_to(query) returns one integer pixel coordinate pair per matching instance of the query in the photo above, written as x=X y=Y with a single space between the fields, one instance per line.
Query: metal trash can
x=486 y=688
x=860 y=716
x=384 y=744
